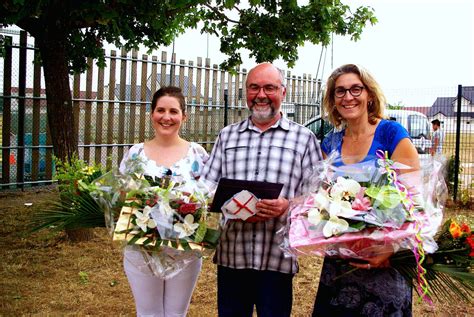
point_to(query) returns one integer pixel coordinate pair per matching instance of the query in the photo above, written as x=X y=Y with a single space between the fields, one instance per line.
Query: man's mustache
x=261 y=100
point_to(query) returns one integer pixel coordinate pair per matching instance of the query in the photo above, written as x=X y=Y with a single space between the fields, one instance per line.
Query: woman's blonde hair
x=375 y=106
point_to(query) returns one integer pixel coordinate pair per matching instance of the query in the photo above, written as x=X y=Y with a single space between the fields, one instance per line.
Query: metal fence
x=111 y=106
x=111 y=110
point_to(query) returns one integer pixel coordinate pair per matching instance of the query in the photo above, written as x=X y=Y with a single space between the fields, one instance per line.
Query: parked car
x=417 y=125
x=319 y=127
x=415 y=122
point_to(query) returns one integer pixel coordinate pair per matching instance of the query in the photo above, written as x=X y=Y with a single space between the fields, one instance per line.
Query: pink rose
x=361 y=202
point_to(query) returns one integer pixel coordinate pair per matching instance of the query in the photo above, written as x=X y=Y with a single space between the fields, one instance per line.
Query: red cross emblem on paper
x=242 y=206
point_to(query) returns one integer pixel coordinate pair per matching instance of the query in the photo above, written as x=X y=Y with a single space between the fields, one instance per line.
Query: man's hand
x=272 y=208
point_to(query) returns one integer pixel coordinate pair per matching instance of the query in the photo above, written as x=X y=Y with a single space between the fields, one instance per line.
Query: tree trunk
x=52 y=45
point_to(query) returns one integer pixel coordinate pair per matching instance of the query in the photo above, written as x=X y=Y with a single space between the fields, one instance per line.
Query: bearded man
x=252 y=269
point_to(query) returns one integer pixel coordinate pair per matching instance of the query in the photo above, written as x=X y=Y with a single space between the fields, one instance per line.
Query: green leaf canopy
x=68 y=32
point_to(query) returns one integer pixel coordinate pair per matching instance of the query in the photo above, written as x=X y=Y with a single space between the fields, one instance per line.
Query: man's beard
x=263 y=115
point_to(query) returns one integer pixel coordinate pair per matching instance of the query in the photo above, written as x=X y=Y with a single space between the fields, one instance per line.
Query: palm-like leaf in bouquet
x=448 y=270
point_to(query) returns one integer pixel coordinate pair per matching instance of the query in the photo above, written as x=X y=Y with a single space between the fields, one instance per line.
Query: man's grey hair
x=282 y=76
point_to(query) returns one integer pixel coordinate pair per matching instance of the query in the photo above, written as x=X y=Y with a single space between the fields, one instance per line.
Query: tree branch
x=238 y=9
x=221 y=15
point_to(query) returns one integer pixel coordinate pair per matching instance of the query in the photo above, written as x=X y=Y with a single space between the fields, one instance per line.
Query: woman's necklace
x=359 y=137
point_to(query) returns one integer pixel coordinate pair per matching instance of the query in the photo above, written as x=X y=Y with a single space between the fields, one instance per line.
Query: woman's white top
x=188 y=168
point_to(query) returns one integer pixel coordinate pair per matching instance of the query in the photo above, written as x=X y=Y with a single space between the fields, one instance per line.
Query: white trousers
x=158 y=297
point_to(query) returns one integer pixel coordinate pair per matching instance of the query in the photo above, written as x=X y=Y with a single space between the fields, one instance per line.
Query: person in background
x=166 y=154
x=252 y=270
x=437 y=138
x=354 y=103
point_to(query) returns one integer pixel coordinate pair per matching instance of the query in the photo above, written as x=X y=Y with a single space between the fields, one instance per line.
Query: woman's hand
x=272 y=208
x=377 y=261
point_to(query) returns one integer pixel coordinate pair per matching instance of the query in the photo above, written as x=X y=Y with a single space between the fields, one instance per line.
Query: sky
x=419 y=49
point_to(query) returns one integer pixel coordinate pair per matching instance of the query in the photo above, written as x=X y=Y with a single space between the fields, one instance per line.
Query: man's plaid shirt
x=286 y=153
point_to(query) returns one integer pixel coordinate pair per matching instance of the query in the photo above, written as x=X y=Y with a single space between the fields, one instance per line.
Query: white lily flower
x=172 y=194
x=143 y=219
x=314 y=216
x=342 y=208
x=335 y=226
x=186 y=228
x=344 y=188
x=185 y=199
x=321 y=200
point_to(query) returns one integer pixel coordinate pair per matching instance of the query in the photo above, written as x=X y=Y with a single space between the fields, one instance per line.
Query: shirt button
x=256 y=172
x=259 y=152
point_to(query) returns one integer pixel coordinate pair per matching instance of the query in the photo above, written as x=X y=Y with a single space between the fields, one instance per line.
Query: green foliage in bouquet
x=449 y=271
x=180 y=217
x=384 y=197
x=75 y=207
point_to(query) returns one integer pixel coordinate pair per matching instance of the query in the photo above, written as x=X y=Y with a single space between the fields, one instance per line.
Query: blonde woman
x=355 y=104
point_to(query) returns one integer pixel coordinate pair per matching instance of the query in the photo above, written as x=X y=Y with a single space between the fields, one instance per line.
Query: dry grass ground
x=44 y=274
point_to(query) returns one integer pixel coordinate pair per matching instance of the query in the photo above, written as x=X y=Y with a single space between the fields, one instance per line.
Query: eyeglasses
x=267 y=89
x=355 y=91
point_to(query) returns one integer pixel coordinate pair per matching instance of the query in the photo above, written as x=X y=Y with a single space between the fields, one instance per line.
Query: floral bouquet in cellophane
x=354 y=211
x=166 y=213
x=369 y=208
x=165 y=218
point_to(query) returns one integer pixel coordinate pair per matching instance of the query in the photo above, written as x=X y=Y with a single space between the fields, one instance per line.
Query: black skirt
x=343 y=291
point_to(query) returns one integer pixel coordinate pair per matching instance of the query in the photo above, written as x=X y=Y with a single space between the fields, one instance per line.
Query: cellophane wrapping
x=365 y=209
x=165 y=219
